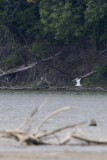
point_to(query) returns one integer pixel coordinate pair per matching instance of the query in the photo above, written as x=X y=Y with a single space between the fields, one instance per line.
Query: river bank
x=53 y=155
x=47 y=152
x=66 y=88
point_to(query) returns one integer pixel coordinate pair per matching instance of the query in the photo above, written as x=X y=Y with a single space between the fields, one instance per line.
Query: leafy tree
x=22 y=19
x=95 y=21
x=61 y=19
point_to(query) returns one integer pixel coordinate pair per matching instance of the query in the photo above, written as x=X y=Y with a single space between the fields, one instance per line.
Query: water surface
x=15 y=107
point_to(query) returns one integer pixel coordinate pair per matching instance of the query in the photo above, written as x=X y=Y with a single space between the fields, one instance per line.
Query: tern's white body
x=78 y=84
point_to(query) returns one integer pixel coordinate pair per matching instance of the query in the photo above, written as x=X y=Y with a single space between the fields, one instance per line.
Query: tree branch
x=22 y=68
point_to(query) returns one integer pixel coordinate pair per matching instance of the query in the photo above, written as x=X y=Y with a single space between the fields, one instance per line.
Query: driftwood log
x=25 y=136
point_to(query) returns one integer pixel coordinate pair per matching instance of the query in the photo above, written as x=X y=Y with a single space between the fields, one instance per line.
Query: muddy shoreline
x=72 y=89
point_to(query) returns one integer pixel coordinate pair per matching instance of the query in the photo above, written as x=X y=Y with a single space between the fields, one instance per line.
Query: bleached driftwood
x=36 y=110
x=24 y=137
x=84 y=137
x=38 y=138
x=29 y=139
x=48 y=133
x=49 y=116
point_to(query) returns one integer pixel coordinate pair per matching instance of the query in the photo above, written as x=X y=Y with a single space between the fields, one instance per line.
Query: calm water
x=15 y=107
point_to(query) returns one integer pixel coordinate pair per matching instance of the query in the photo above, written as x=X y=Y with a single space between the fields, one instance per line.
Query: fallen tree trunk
x=24 y=68
x=89 y=74
x=86 y=75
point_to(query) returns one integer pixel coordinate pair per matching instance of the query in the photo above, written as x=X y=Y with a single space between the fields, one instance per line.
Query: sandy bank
x=53 y=156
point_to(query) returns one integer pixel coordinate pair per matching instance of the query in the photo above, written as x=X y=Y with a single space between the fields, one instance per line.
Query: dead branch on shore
x=87 y=138
x=38 y=138
x=88 y=74
x=49 y=116
x=59 y=129
x=43 y=79
x=24 y=68
x=26 y=138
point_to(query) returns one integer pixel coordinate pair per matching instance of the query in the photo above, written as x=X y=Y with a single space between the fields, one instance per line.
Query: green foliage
x=86 y=82
x=22 y=19
x=2 y=9
x=41 y=48
x=95 y=21
x=101 y=70
x=61 y=20
x=12 y=60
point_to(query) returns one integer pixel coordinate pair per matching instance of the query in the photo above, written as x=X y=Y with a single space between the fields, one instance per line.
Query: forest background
x=34 y=30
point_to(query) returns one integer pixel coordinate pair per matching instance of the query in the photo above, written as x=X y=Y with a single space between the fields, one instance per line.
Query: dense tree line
x=56 y=19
